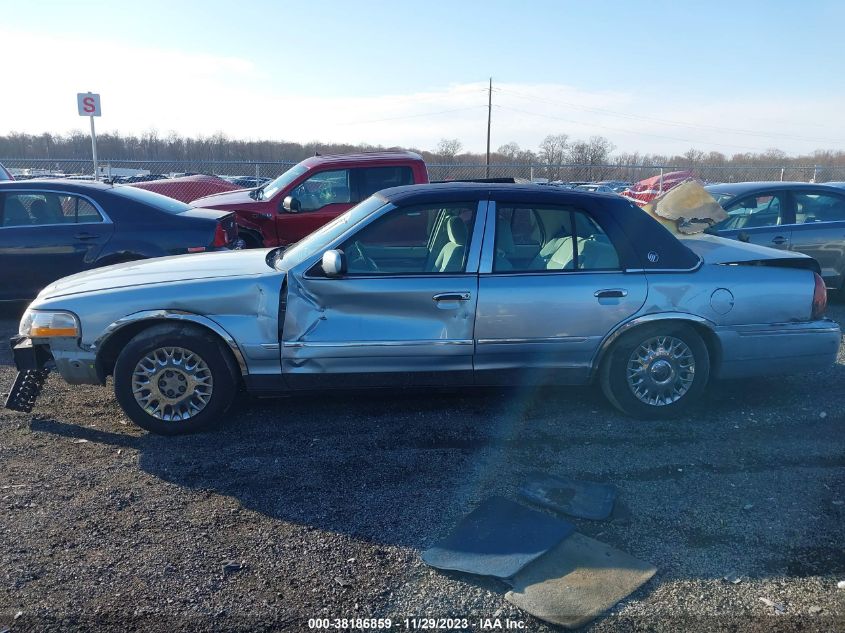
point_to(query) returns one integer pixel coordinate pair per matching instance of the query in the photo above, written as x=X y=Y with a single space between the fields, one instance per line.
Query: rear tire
x=656 y=371
x=172 y=379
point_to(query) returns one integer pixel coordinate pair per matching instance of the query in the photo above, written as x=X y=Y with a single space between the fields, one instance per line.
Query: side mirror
x=334 y=263
x=742 y=236
x=291 y=204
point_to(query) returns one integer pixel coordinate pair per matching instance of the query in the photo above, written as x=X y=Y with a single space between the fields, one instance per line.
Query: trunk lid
x=719 y=250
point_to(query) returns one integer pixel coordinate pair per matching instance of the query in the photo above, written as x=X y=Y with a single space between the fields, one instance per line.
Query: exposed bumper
x=783 y=348
x=76 y=365
x=33 y=363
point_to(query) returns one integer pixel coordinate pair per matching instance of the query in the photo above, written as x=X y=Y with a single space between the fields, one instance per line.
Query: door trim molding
x=347 y=344
x=518 y=341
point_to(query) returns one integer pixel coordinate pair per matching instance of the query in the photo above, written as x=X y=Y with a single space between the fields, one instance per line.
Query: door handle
x=452 y=296
x=86 y=236
x=611 y=293
x=779 y=240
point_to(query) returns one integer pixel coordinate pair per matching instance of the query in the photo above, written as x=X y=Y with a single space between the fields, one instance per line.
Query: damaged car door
x=395 y=305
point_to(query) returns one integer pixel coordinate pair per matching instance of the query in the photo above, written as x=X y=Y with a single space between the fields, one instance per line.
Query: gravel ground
x=303 y=508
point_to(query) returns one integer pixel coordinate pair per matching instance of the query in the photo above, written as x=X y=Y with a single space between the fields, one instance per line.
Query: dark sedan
x=795 y=216
x=55 y=228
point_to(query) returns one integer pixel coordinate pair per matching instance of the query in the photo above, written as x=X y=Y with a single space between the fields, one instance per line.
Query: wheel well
x=711 y=341
x=108 y=353
x=119 y=259
x=252 y=238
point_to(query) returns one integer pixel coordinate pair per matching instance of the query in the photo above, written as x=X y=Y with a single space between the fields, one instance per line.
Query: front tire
x=174 y=379
x=656 y=371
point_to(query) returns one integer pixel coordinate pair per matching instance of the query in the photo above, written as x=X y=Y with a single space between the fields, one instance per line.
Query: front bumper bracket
x=26 y=389
x=33 y=363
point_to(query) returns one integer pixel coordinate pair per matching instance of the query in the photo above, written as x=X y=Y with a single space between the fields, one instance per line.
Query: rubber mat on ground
x=577 y=581
x=582 y=499
x=498 y=538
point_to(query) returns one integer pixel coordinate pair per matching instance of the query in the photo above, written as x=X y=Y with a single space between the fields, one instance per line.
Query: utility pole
x=489 y=116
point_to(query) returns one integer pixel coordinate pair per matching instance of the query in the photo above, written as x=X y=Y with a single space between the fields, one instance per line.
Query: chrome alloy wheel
x=172 y=384
x=661 y=370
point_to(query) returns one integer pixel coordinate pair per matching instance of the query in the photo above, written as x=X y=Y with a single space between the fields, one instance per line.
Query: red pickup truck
x=313 y=192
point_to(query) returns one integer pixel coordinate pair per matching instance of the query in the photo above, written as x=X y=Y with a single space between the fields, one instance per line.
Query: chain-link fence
x=199 y=178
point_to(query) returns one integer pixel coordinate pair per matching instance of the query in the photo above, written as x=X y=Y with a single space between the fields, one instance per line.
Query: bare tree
x=553 y=153
x=448 y=148
x=693 y=156
x=510 y=151
x=600 y=149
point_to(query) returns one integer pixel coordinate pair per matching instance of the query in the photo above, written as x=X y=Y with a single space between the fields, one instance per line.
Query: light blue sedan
x=451 y=284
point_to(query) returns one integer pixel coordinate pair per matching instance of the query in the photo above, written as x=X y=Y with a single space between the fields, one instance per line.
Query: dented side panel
x=378 y=325
x=728 y=295
x=245 y=307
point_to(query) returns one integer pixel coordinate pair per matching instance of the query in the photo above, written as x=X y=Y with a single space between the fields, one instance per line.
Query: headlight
x=40 y=324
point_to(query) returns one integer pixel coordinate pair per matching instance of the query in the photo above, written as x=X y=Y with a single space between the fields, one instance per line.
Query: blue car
x=55 y=228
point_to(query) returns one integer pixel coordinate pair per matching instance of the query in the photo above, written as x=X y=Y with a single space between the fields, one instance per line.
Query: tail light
x=819 y=298
x=220 y=238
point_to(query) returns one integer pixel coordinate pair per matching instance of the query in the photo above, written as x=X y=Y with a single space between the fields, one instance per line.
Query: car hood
x=163 y=270
x=239 y=197
x=720 y=250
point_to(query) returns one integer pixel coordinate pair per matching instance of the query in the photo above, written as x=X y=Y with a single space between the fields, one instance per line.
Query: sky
x=653 y=77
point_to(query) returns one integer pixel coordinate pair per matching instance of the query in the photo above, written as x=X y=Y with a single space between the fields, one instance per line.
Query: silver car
x=452 y=284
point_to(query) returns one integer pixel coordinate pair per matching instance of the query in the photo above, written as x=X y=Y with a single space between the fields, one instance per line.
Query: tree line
x=554 y=150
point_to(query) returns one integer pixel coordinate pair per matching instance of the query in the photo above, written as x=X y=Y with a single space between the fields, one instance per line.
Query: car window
x=272 y=188
x=322 y=189
x=46 y=208
x=421 y=239
x=374 y=179
x=561 y=238
x=758 y=210
x=721 y=198
x=815 y=207
x=525 y=226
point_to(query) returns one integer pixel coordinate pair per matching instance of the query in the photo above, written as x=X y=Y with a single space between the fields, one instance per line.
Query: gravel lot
x=321 y=506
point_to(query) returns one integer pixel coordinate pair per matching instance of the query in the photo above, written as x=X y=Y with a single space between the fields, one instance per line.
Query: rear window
x=377 y=178
x=160 y=202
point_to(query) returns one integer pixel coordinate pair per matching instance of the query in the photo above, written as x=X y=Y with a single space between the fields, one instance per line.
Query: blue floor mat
x=576 y=498
x=497 y=539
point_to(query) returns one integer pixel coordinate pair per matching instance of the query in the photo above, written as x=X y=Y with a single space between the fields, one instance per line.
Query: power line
x=623 y=131
x=667 y=121
x=414 y=116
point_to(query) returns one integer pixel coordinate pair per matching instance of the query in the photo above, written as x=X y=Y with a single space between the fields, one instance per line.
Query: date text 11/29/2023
x=417 y=624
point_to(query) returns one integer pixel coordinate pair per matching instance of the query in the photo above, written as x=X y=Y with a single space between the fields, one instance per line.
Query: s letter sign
x=88 y=104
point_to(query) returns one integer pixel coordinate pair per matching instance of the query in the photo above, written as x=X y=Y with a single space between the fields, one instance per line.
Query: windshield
x=326 y=234
x=160 y=202
x=272 y=188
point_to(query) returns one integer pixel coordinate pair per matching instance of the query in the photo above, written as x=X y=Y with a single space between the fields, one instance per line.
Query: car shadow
x=377 y=466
